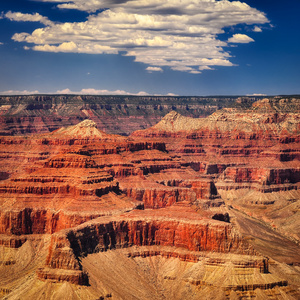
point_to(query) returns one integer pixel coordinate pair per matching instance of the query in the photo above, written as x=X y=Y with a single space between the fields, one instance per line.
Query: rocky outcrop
x=72 y=276
x=37 y=221
x=227 y=123
x=169 y=228
x=21 y=115
x=247 y=148
x=262 y=175
x=260 y=179
x=165 y=191
x=251 y=127
x=170 y=192
x=197 y=236
x=12 y=241
x=212 y=258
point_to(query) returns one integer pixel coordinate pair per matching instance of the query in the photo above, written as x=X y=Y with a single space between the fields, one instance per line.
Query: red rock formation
x=72 y=276
x=229 y=134
x=248 y=147
x=41 y=114
x=82 y=185
x=262 y=175
x=12 y=241
x=170 y=227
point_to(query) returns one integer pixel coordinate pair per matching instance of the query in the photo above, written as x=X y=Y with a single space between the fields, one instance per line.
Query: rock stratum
x=189 y=208
x=31 y=114
x=23 y=115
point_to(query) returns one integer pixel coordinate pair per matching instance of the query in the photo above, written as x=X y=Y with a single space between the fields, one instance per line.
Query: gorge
x=183 y=207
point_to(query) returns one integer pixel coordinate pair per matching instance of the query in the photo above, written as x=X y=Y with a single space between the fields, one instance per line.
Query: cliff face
x=262 y=175
x=195 y=236
x=141 y=229
x=158 y=195
x=186 y=190
x=21 y=115
x=254 y=152
x=237 y=129
x=257 y=143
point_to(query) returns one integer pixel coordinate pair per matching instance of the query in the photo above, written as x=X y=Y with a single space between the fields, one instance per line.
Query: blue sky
x=180 y=47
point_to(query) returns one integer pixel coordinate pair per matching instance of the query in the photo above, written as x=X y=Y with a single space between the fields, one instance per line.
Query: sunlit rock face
x=184 y=208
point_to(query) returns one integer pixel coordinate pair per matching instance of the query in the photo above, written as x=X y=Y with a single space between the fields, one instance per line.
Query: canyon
x=27 y=114
x=183 y=207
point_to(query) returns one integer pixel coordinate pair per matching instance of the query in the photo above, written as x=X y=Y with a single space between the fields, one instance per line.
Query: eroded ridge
x=169 y=227
x=187 y=207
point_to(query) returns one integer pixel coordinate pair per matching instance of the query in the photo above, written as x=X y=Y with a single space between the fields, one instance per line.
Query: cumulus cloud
x=91 y=91
x=257 y=29
x=154 y=69
x=20 y=17
x=257 y=95
x=240 y=38
x=14 y=92
x=65 y=91
x=179 y=34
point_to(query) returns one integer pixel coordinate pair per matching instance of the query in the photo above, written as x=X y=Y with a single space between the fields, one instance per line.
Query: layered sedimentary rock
x=264 y=179
x=21 y=115
x=187 y=207
x=168 y=227
x=233 y=137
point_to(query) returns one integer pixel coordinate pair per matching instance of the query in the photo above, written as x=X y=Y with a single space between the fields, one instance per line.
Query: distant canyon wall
x=21 y=115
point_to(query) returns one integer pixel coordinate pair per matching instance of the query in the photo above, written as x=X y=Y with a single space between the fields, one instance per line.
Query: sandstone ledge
x=60 y=275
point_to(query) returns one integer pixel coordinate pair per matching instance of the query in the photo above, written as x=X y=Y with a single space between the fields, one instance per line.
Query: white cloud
x=257 y=29
x=99 y=92
x=205 y=68
x=257 y=95
x=17 y=16
x=240 y=38
x=154 y=69
x=72 y=47
x=1 y=43
x=89 y=91
x=13 y=92
x=141 y=93
x=65 y=91
x=179 y=34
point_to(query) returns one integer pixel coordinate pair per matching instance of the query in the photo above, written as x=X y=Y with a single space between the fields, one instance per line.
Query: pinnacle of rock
x=172 y=116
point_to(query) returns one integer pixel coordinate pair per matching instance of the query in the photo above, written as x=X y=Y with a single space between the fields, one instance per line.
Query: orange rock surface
x=183 y=188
